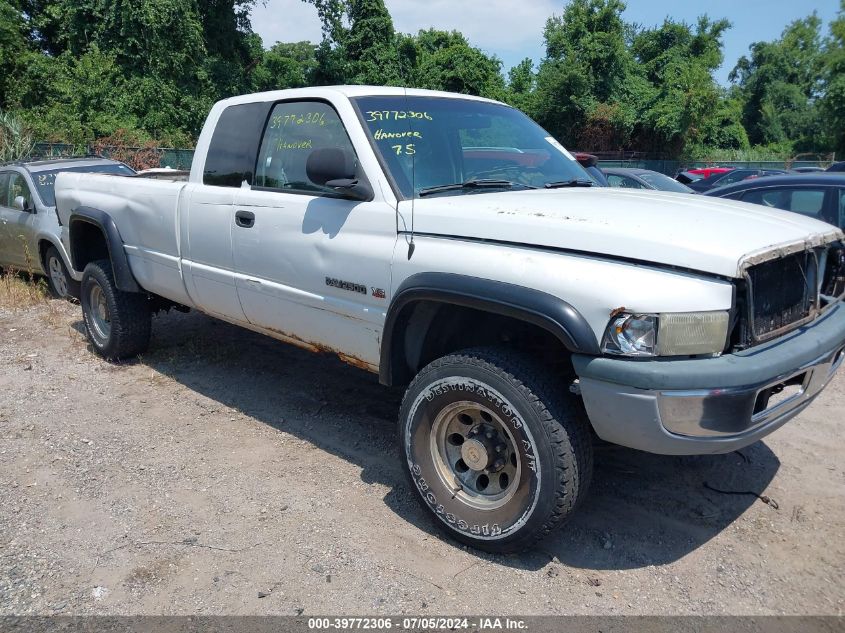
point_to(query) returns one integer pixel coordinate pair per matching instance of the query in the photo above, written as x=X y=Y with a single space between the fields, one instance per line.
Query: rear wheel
x=494 y=449
x=117 y=323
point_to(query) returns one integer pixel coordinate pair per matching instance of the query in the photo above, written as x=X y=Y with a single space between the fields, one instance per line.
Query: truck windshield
x=45 y=181
x=448 y=147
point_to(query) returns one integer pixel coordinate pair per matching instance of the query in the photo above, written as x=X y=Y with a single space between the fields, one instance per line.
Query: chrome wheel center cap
x=475 y=455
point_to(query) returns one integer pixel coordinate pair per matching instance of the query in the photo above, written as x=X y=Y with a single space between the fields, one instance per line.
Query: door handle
x=245 y=219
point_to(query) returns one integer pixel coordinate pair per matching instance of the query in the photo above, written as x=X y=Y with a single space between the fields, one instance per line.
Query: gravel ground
x=226 y=473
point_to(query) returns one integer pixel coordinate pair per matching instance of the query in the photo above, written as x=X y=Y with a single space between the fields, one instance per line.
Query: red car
x=706 y=172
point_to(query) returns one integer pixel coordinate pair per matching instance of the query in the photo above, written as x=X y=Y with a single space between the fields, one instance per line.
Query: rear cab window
x=230 y=160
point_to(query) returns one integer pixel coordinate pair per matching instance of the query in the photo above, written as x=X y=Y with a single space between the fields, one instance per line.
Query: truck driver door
x=311 y=266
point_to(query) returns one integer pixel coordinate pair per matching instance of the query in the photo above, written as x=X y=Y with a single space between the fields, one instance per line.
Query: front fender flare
x=526 y=304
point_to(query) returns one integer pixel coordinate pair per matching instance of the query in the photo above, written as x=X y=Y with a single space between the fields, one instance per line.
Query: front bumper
x=711 y=405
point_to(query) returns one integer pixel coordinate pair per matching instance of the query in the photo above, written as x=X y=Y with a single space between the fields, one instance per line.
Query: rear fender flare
x=82 y=216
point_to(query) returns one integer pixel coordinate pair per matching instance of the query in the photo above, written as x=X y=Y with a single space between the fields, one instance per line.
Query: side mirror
x=21 y=204
x=337 y=168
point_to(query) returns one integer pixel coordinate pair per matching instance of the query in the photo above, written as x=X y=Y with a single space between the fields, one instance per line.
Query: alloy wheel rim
x=100 y=316
x=475 y=455
x=57 y=276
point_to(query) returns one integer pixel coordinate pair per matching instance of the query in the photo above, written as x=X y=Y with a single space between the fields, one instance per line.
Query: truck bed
x=147 y=211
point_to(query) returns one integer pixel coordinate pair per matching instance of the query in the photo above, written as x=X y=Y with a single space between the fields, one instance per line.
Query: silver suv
x=30 y=235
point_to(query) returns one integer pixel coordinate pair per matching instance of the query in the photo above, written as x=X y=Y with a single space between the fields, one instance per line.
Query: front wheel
x=493 y=448
x=117 y=323
x=61 y=284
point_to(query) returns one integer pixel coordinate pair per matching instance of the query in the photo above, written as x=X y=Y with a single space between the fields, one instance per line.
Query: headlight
x=631 y=335
x=668 y=334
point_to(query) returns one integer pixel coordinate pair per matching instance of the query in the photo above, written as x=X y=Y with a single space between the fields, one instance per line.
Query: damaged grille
x=783 y=293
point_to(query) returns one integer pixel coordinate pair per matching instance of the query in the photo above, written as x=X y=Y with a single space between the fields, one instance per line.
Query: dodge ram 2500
x=450 y=244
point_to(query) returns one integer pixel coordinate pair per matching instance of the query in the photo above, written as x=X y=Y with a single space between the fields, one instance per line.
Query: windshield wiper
x=474 y=184
x=568 y=183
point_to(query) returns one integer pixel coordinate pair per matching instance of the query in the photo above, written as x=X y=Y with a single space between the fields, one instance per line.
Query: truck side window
x=294 y=130
x=231 y=155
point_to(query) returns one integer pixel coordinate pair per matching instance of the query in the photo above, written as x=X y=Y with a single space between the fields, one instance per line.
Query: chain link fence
x=168 y=156
x=671 y=167
x=182 y=158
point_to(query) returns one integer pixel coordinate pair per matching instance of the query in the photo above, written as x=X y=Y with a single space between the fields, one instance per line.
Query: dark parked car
x=633 y=178
x=686 y=177
x=590 y=163
x=837 y=167
x=732 y=176
x=820 y=196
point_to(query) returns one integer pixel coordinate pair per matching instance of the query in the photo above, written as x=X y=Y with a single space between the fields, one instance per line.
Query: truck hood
x=710 y=235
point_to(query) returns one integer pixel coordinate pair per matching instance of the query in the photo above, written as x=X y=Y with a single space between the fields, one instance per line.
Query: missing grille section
x=782 y=293
x=833 y=284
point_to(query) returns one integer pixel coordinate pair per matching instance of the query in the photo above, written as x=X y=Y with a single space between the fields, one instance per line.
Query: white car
x=450 y=244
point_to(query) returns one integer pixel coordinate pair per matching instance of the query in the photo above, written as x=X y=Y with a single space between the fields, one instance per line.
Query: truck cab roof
x=349 y=92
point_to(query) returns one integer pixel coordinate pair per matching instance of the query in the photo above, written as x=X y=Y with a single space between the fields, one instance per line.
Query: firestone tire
x=117 y=323
x=496 y=451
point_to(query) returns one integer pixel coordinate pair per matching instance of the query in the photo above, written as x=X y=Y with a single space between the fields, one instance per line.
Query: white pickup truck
x=450 y=244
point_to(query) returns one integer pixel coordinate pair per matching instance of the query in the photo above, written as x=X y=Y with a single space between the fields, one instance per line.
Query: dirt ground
x=226 y=473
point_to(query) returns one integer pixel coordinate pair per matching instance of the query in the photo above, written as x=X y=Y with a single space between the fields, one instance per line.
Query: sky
x=513 y=29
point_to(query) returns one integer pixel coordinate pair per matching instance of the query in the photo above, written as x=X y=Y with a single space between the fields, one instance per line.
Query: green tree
x=154 y=64
x=832 y=103
x=779 y=84
x=443 y=60
x=685 y=108
x=522 y=81
x=15 y=138
x=359 y=43
x=14 y=45
x=77 y=99
x=286 y=66
x=370 y=44
x=587 y=63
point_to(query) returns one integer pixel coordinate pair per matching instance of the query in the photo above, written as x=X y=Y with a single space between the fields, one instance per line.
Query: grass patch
x=19 y=290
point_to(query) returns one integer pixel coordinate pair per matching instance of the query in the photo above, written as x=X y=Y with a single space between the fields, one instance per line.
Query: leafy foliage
x=136 y=152
x=286 y=66
x=588 y=65
x=15 y=139
x=779 y=83
x=832 y=101
x=145 y=72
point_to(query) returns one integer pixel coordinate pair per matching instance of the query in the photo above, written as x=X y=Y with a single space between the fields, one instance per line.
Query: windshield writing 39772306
x=435 y=146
